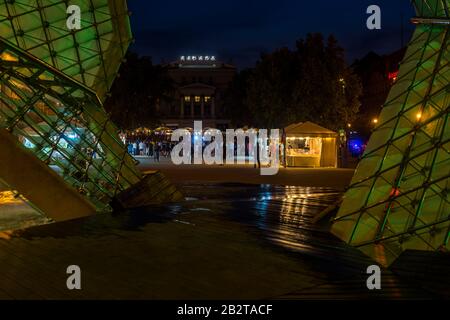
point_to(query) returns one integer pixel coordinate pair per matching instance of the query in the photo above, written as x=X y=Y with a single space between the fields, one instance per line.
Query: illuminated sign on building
x=198 y=58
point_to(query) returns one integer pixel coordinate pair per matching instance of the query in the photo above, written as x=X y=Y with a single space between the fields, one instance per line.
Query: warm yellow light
x=7 y=57
x=419 y=115
x=349 y=125
x=375 y=121
x=9 y=197
x=197 y=98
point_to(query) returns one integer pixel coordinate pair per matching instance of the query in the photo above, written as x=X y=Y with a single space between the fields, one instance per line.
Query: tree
x=269 y=94
x=311 y=83
x=137 y=92
x=234 y=100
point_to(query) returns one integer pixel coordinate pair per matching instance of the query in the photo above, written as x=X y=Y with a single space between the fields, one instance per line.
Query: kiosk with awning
x=309 y=145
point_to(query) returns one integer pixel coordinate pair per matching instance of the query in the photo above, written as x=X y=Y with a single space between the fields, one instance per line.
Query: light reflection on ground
x=228 y=236
x=281 y=215
x=16 y=213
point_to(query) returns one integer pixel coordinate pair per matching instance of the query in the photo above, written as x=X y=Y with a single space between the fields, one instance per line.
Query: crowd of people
x=160 y=145
x=149 y=148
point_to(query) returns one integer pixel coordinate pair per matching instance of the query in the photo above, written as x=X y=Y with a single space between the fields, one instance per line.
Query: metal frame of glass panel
x=52 y=84
x=399 y=197
x=63 y=123
x=90 y=55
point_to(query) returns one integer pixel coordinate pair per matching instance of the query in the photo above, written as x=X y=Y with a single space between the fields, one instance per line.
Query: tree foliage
x=309 y=83
x=137 y=92
x=235 y=98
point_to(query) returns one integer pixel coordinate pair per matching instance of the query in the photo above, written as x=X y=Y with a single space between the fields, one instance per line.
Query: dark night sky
x=239 y=30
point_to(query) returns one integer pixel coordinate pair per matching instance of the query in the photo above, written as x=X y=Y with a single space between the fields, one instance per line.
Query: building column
x=182 y=107
x=158 y=106
x=202 y=99
x=192 y=107
x=213 y=107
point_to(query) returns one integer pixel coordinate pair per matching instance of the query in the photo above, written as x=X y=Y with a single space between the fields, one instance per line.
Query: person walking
x=145 y=148
x=135 y=148
x=157 y=149
x=151 y=148
x=258 y=161
x=130 y=148
x=141 y=148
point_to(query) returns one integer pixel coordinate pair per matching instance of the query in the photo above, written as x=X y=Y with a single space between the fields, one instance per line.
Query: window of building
x=187 y=99
x=207 y=99
x=197 y=98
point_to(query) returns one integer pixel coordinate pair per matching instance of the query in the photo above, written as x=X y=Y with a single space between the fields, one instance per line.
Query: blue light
x=28 y=144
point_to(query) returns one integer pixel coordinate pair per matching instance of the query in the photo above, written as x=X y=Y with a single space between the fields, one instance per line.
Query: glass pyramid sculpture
x=63 y=124
x=53 y=81
x=91 y=55
x=399 y=196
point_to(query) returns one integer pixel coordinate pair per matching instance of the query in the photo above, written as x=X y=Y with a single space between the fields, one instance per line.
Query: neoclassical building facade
x=201 y=83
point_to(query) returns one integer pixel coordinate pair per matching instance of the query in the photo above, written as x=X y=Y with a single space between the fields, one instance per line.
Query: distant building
x=201 y=82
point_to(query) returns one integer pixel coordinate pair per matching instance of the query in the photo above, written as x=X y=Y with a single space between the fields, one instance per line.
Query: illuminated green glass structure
x=53 y=81
x=399 y=196
x=90 y=55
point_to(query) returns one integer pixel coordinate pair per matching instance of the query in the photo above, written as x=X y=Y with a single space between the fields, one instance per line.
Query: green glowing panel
x=91 y=55
x=432 y=8
x=52 y=84
x=399 y=197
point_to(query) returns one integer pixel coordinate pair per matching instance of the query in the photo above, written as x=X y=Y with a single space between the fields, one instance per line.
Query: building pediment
x=197 y=89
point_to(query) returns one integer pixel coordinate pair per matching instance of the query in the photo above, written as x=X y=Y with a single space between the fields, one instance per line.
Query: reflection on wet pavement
x=279 y=215
x=16 y=212
x=282 y=214
x=222 y=237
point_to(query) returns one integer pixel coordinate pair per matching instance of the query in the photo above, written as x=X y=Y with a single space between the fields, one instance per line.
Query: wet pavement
x=225 y=241
x=17 y=213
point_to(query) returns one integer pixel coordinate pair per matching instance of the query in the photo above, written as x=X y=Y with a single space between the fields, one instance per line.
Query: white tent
x=310 y=145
